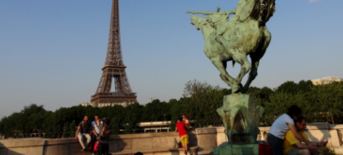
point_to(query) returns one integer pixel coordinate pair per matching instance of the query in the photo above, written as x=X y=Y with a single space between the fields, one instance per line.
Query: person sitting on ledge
x=104 y=138
x=83 y=133
x=292 y=146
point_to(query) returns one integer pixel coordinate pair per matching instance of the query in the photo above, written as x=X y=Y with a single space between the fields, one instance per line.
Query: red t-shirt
x=181 y=128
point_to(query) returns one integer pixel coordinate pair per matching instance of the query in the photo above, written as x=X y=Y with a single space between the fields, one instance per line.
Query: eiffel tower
x=113 y=88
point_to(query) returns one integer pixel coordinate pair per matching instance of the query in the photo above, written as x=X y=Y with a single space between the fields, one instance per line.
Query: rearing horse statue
x=235 y=39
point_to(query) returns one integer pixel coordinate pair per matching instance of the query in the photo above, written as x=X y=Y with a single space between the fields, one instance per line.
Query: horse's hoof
x=236 y=88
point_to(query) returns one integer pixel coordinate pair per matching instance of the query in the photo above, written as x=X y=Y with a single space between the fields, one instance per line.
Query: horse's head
x=198 y=22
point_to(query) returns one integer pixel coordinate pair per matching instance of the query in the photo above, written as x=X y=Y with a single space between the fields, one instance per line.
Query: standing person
x=83 y=132
x=186 y=121
x=279 y=128
x=181 y=129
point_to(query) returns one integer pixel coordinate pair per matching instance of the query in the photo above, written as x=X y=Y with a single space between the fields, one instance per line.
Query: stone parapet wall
x=146 y=142
x=339 y=129
x=22 y=146
x=164 y=143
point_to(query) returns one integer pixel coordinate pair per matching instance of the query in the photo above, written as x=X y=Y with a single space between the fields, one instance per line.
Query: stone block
x=236 y=149
x=206 y=138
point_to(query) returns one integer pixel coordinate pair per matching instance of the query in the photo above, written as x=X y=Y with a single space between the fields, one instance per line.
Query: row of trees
x=199 y=102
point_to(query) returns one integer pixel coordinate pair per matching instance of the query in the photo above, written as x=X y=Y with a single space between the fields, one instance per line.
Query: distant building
x=326 y=80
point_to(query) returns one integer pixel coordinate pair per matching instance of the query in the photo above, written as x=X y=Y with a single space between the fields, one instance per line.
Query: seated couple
x=94 y=136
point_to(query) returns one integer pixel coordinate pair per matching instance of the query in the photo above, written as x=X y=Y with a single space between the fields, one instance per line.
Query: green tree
x=156 y=111
x=204 y=99
x=132 y=117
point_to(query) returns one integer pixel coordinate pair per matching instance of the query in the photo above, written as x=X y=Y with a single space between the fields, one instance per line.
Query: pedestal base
x=236 y=149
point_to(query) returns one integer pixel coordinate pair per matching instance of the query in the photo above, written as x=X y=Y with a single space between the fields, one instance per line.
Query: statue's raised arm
x=199 y=12
x=210 y=13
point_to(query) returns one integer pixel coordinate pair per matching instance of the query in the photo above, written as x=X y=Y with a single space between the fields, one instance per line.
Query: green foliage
x=131 y=118
x=199 y=103
x=25 y=122
x=156 y=111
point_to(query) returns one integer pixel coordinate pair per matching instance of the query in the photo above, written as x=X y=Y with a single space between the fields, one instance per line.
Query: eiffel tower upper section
x=114 y=57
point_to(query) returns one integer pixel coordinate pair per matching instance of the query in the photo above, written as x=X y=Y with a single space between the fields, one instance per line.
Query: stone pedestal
x=240 y=117
x=236 y=149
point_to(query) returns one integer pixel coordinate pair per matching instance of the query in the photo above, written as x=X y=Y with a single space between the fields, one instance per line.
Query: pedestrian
x=184 y=139
x=186 y=121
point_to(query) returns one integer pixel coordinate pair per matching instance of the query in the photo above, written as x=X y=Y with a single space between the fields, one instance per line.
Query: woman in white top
x=97 y=125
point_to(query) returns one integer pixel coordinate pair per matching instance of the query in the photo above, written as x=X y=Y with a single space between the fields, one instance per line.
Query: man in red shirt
x=186 y=121
x=181 y=129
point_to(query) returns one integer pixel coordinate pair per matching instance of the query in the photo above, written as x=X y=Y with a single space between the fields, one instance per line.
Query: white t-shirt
x=97 y=127
x=280 y=126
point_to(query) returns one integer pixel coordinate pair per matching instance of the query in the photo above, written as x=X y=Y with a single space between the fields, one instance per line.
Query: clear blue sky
x=52 y=51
